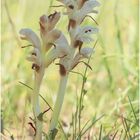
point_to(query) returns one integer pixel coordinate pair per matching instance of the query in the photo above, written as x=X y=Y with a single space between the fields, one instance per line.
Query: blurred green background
x=115 y=65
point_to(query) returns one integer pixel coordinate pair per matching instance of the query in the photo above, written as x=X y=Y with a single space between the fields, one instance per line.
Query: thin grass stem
x=133 y=109
x=91 y=125
x=81 y=94
x=100 y=134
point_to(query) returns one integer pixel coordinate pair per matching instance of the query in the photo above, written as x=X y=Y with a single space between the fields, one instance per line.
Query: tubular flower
x=83 y=34
x=47 y=31
x=28 y=34
x=77 y=10
x=60 y=50
x=47 y=23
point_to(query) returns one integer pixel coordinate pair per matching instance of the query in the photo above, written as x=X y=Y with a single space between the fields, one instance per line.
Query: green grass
x=110 y=88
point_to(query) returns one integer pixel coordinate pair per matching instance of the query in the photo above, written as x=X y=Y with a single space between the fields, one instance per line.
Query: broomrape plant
x=52 y=45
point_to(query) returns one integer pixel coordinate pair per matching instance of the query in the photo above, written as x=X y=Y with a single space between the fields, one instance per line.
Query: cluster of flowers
x=54 y=44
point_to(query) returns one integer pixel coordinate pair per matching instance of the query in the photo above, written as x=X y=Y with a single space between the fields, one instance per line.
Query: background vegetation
x=113 y=79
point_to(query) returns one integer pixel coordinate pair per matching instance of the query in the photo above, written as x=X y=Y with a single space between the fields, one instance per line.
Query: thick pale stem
x=36 y=106
x=59 y=101
x=61 y=92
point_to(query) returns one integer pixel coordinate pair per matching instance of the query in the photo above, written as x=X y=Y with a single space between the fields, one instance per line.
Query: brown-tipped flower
x=77 y=10
x=83 y=34
x=47 y=23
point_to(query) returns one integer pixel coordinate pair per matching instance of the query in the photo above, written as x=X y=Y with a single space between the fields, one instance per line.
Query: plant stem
x=61 y=92
x=81 y=94
x=59 y=101
x=35 y=100
x=80 y=104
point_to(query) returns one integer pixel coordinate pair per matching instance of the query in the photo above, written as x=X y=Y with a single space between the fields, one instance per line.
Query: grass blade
x=126 y=134
x=100 y=134
x=133 y=109
x=61 y=128
x=127 y=127
x=92 y=125
x=115 y=135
